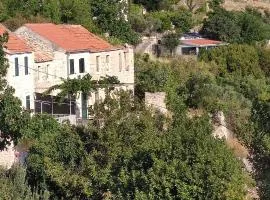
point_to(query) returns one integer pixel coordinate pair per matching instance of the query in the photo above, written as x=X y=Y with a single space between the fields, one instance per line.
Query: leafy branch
x=71 y=87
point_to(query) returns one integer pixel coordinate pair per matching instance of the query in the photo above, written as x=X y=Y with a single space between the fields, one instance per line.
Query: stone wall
x=23 y=83
x=8 y=157
x=220 y=126
x=157 y=101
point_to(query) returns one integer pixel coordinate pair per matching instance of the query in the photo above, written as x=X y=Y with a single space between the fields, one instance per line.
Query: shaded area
x=52 y=105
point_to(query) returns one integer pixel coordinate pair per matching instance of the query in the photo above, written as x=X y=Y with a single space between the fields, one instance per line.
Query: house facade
x=71 y=51
x=20 y=58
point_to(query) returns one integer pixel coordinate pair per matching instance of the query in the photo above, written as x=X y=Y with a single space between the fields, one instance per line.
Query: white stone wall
x=157 y=101
x=23 y=84
x=48 y=74
x=8 y=157
x=118 y=65
x=125 y=73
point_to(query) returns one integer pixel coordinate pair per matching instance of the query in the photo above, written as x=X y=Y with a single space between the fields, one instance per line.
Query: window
x=27 y=102
x=126 y=61
x=16 y=67
x=26 y=70
x=97 y=63
x=47 y=72
x=71 y=66
x=81 y=65
x=120 y=62
x=38 y=73
x=108 y=62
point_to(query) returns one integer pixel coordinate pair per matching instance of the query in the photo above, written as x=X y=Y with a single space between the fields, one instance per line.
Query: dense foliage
x=231 y=78
x=170 y=41
x=96 y=15
x=13 y=185
x=236 y=27
x=132 y=157
x=240 y=59
x=129 y=152
x=85 y=84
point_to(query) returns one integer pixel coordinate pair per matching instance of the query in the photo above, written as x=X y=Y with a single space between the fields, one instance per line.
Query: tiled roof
x=200 y=42
x=42 y=57
x=71 y=38
x=14 y=44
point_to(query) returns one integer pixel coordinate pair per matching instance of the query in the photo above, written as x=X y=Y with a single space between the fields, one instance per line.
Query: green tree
x=52 y=10
x=110 y=17
x=153 y=5
x=72 y=87
x=164 y=18
x=182 y=20
x=132 y=156
x=13 y=185
x=3 y=12
x=214 y=4
x=253 y=28
x=264 y=56
x=150 y=77
x=222 y=25
x=240 y=59
x=235 y=27
x=170 y=41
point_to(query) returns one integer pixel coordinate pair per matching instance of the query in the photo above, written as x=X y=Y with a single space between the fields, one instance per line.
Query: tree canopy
x=235 y=27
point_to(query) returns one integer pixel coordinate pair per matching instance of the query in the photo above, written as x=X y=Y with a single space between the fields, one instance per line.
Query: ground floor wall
x=84 y=104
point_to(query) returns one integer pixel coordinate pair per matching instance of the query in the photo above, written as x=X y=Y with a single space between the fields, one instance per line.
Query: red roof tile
x=72 y=38
x=201 y=42
x=42 y=57
x=14 y=44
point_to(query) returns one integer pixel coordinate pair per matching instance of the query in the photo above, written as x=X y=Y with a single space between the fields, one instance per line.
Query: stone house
x=19 y=75
x=40 y=55
x=71 y=51
x=193 y=43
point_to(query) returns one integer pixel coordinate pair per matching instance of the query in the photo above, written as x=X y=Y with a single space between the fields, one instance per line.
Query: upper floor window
x=27 y=102
x=47 y=72
x=26 y=70
x=81 y=65
x=71 y=66
x=108 y=62
x=16 y=67
x=126 y=61
x=38 y=72
x=97 y=63
x=120 y=62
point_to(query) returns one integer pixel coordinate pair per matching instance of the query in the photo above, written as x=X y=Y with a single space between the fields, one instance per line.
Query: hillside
x=242 y=4
x=209 y=137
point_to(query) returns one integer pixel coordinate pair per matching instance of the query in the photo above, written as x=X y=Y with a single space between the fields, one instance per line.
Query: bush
x=170 y=41
x=13 y=185
x=264 y=60
x=132 y=156
x=240 y=59
x=235 y=27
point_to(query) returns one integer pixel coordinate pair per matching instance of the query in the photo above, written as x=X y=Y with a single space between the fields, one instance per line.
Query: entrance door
x=84 y=106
